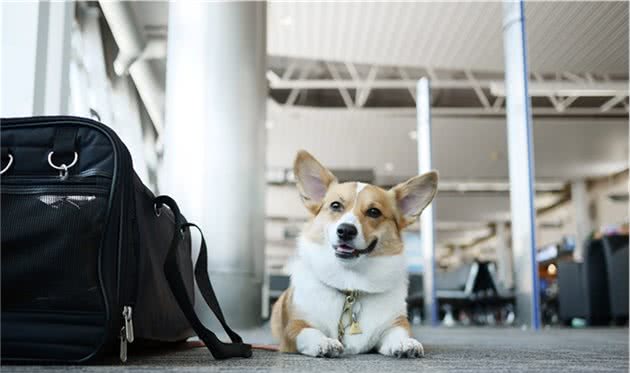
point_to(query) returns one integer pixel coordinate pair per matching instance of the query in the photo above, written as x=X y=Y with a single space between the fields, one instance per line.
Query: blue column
x=521 y=164
x=427 y=220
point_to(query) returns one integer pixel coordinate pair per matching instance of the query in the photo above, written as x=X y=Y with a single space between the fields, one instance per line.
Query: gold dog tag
x=354 y=327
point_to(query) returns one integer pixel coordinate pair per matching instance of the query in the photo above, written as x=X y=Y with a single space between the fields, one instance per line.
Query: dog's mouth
x=347 y=251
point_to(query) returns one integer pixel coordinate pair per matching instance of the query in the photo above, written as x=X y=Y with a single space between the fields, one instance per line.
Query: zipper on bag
x=126 y=332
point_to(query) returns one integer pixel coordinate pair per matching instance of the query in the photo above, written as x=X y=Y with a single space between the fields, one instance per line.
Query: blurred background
x=214 y=100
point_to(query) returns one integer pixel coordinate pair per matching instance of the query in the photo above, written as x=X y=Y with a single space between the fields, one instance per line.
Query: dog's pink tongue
x=345 y=249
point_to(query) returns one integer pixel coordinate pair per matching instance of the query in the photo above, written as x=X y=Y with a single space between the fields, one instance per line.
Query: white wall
x=606 y=211
x=17 y=57
x=563 y=216
x=464 y=149
x=36 y=57
x=602 y=211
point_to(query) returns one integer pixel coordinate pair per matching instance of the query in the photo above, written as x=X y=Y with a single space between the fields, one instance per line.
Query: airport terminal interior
x=521 y=261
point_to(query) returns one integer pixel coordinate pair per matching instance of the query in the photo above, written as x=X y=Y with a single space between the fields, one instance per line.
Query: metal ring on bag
x=63 y=168
x=6 y=168
x=157 y=210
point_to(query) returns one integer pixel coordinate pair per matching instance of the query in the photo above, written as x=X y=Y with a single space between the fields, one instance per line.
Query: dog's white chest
x=374 y=314
x=322 y=306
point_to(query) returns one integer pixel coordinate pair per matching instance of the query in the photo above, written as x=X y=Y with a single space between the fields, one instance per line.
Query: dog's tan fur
x=285 y=326
x=403 y=322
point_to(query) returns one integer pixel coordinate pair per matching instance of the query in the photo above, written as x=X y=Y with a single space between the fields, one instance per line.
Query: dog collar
x=350 y=311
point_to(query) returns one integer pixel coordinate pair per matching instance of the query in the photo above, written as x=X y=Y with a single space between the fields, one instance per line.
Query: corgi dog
x=349 y=279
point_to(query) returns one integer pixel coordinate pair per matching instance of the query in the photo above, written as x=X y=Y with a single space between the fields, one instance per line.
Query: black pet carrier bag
x=91 y=259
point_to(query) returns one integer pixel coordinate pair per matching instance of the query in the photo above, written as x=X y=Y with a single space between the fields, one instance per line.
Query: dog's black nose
x=346 y=232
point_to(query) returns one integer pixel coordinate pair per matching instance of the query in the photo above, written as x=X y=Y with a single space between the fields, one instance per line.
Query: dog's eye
x=374 y=213
x=336 y=206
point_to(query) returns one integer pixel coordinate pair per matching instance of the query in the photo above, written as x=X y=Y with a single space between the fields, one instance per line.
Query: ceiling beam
x=496 y=110
x=281 y=177
x=345 y=94
x=497 y=87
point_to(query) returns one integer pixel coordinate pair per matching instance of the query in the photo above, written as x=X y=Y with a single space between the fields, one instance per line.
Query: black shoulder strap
x=219 y=349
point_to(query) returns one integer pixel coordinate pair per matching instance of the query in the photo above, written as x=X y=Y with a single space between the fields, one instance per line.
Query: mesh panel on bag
x=50 y=244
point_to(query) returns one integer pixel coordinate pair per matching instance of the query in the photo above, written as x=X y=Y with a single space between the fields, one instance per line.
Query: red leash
x=266 y=347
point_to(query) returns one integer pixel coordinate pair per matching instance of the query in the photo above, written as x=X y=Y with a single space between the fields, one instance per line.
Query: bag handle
x=65 y=144
x=220 y=350
x=65 y=141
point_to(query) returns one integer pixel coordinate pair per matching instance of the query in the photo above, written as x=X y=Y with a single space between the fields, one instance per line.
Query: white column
x=36 y=57
x=128 y=123
x=427 y=219
x=56 y=93
x=521 y=163
x=99 y=97
x=19 y=26
x=504 y=256
x=214 y=144
x=583 y=226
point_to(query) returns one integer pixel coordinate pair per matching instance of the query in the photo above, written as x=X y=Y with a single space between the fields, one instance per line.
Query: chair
x=456 y=286
x=277 y=285
x=616 y=254
x=583 y=287
x=415 y=298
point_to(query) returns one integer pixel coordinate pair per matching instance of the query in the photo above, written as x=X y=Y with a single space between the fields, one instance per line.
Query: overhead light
x=286 y=21
x=564 y=88
x=552 y=269
x=275 y=175
x=290 y=176
x=494 y=186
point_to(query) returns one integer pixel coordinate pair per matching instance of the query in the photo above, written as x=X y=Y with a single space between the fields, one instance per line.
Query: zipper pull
x=123 y=345
x=128 y=317
x=126 y=332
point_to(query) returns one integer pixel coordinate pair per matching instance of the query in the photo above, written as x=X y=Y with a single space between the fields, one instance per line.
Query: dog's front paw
x=403 y=348
x=325 y=347
x=329 y=347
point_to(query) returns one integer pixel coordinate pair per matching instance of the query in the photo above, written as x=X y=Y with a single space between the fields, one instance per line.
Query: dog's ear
x=414 y=195
x=313 y=180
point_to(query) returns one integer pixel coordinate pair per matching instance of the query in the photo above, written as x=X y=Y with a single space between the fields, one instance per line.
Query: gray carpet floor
x=459 y=349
